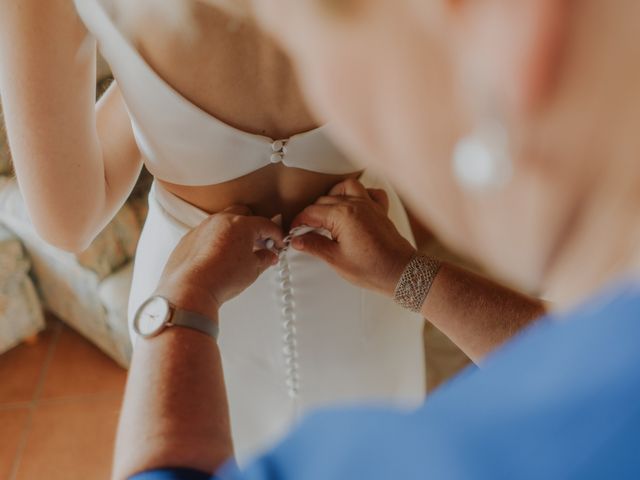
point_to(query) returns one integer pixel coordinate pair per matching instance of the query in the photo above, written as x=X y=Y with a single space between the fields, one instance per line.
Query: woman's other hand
x=366 y=248
x=218 y=260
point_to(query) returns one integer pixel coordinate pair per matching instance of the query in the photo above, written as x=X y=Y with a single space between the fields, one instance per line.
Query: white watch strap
x=184 y=318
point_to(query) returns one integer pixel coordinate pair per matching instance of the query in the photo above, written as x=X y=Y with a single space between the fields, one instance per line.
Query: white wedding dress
x=300 y=337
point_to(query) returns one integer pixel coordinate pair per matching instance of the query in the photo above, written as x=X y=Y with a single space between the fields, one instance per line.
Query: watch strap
x=195 y=321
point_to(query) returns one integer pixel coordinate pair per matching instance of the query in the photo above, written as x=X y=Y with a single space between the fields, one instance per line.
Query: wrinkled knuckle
x=349 y=209
x=225 y=222
x=236 y=219
x=219 y=217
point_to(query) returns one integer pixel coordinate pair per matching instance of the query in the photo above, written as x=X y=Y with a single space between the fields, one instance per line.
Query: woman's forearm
x=47 y=83
x=175 y=411
x=477 y=314
x=367 y=249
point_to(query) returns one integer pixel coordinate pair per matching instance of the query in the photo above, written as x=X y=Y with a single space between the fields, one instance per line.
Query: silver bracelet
x=415 y=282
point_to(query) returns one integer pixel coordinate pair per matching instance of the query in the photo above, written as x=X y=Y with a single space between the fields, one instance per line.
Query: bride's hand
x=366 y=249
x=218 y=260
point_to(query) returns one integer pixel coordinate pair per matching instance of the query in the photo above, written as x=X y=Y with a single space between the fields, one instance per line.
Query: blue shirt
x=561 y=401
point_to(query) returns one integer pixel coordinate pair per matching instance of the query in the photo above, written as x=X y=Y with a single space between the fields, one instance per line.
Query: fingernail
x=297 y=243
x=277 y=219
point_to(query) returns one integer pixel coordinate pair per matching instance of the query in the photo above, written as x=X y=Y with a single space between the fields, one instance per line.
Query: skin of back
x=76 y=162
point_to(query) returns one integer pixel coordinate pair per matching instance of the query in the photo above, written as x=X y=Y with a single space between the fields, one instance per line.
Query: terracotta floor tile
x=79 y=368
x=71 y=439
x=21 y=367
x=14 y=422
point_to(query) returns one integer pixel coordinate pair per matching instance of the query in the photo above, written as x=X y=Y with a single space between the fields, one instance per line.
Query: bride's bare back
x=231 y=70
x=76 y=167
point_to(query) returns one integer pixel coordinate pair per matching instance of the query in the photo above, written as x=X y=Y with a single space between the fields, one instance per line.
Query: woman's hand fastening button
x=366 y=248
x=219 y=259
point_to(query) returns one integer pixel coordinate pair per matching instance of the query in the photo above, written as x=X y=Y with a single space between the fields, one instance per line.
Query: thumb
x=380 y=197
x=266 y=259
x=238 y=210
x=316 y=245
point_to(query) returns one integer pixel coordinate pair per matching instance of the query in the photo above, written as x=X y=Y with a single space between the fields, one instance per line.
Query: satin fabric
x=353 y=345
x=181 y=143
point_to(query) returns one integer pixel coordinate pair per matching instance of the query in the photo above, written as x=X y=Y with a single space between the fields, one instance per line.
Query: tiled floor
x=59 y=404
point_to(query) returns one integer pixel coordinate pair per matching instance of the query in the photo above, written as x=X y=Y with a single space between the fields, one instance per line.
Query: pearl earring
x=481 y=160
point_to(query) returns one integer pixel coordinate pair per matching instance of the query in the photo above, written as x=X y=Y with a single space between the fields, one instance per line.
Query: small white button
x=284 y=273
x=277 y=146
x=277 y=158
x=286 y=350
x=285 y=328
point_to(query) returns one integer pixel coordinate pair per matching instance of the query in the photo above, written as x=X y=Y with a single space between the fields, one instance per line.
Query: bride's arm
x=75 y=162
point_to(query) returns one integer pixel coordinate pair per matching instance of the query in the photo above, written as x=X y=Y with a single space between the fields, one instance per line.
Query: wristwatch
x=157 y=314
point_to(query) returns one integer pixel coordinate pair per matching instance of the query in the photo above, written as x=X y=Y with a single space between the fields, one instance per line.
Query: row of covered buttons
x=290 y=343
x=279 y=148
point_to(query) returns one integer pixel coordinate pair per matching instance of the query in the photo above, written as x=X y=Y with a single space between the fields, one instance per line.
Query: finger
x=277 y=219
x=263 y=229
x=328 y=200
x=317 y=216
x=238 y=210
x=265 y=259
x=336 y=200
x=350 y=187
x=380 y=197
x=316 y=245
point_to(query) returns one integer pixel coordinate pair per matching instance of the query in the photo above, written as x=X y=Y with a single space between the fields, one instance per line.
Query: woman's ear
x=508 y=50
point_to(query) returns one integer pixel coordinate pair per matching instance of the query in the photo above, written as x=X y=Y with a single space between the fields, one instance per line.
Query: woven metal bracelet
x=415 y=282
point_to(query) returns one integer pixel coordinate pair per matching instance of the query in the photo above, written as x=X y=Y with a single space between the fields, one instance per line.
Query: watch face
x=152 y=317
